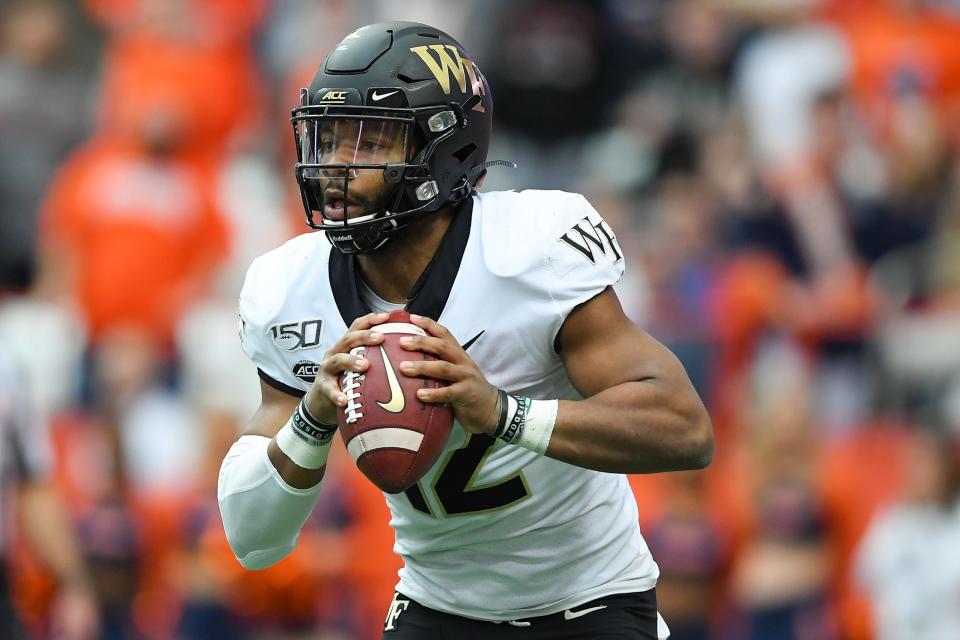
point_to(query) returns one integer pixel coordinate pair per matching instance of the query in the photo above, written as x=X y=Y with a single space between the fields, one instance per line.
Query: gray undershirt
x=375 y=302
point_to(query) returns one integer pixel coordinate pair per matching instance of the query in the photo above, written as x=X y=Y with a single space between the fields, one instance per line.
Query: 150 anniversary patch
x=303 y=334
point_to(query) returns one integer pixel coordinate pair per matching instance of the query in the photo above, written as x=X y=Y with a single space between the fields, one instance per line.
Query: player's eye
x=370 y=145
x=325 y=147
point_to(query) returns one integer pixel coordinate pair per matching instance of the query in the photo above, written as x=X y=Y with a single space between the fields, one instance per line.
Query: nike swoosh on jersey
x=396 y=402
x=380 y=96
x=570 y=614
x=468 y=343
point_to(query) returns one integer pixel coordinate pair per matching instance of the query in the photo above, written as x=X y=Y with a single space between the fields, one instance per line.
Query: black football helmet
x=398 y=103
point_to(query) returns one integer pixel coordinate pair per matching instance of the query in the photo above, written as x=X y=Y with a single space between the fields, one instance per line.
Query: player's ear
x=480 y=180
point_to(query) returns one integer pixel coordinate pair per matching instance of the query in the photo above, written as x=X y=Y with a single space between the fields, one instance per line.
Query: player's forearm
x=262 y=514
x=634 y=427
x=293 y=474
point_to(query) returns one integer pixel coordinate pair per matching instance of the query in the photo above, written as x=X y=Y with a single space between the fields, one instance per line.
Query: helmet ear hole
x=464 y=152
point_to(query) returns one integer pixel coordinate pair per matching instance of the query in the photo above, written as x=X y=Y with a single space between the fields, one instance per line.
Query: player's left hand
x=475 y=401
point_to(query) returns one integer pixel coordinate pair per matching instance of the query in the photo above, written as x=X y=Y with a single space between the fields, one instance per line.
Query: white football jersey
x=493 y=531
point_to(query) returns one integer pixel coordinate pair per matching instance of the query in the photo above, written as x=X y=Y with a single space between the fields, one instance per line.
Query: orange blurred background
x=783 y=178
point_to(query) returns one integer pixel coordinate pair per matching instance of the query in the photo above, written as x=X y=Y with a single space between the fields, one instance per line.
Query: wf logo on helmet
x=456 y=65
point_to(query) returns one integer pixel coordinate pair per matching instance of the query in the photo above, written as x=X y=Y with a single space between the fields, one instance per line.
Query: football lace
x=351 y=382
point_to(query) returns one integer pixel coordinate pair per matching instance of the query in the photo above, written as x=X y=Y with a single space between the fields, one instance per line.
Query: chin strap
x=466 y=186
x=481 y=168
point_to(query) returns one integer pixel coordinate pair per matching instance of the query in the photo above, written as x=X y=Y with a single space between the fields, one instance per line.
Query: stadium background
x=783 y=178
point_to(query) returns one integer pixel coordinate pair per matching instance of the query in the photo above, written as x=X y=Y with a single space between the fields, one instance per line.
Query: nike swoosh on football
x=380 y=96
x=396 y=402
x=570 y=615
x=468 y=343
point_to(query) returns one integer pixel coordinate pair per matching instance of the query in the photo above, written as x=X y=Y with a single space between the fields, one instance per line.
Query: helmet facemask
x=363 y=171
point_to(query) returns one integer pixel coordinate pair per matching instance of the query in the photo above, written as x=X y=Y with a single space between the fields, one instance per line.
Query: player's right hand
x=325 y=395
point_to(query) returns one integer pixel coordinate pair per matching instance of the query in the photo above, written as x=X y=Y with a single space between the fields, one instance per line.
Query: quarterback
x=525 y=526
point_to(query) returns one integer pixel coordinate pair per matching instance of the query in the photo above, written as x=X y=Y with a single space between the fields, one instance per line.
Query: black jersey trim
x=429 y=294
x=279 y=386
x=343 y=285
x=557 y=347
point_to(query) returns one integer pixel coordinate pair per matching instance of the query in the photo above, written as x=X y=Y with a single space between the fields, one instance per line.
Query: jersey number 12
x=454 y=485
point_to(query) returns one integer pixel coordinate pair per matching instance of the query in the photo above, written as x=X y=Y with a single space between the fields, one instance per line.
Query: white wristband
x=529 y=423
x=304 y=440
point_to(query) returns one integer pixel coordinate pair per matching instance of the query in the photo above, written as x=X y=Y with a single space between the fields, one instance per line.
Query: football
x=392 y=436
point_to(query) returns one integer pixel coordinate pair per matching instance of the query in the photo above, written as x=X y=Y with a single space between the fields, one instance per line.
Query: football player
x=526 y=524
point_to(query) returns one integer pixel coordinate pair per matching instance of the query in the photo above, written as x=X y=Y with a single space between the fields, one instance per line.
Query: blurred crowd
x=784 y=179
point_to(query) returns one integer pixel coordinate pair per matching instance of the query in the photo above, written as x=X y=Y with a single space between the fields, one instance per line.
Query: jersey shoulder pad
x=272 y=282
x=515 y=225
x=531 y=229
x=552 y=244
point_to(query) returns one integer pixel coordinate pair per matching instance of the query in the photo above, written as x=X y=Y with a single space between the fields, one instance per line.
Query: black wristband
x=515 y=422
x=309 y=428
x=502 y=421
x=309 y=416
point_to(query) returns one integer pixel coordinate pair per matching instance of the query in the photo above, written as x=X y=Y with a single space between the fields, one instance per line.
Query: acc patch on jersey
x=306 y=370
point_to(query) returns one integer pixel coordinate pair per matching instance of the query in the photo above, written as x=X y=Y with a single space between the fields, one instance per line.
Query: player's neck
x=393 y=270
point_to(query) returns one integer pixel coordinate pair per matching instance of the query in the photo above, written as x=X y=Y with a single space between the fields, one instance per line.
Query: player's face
x=356 y=192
